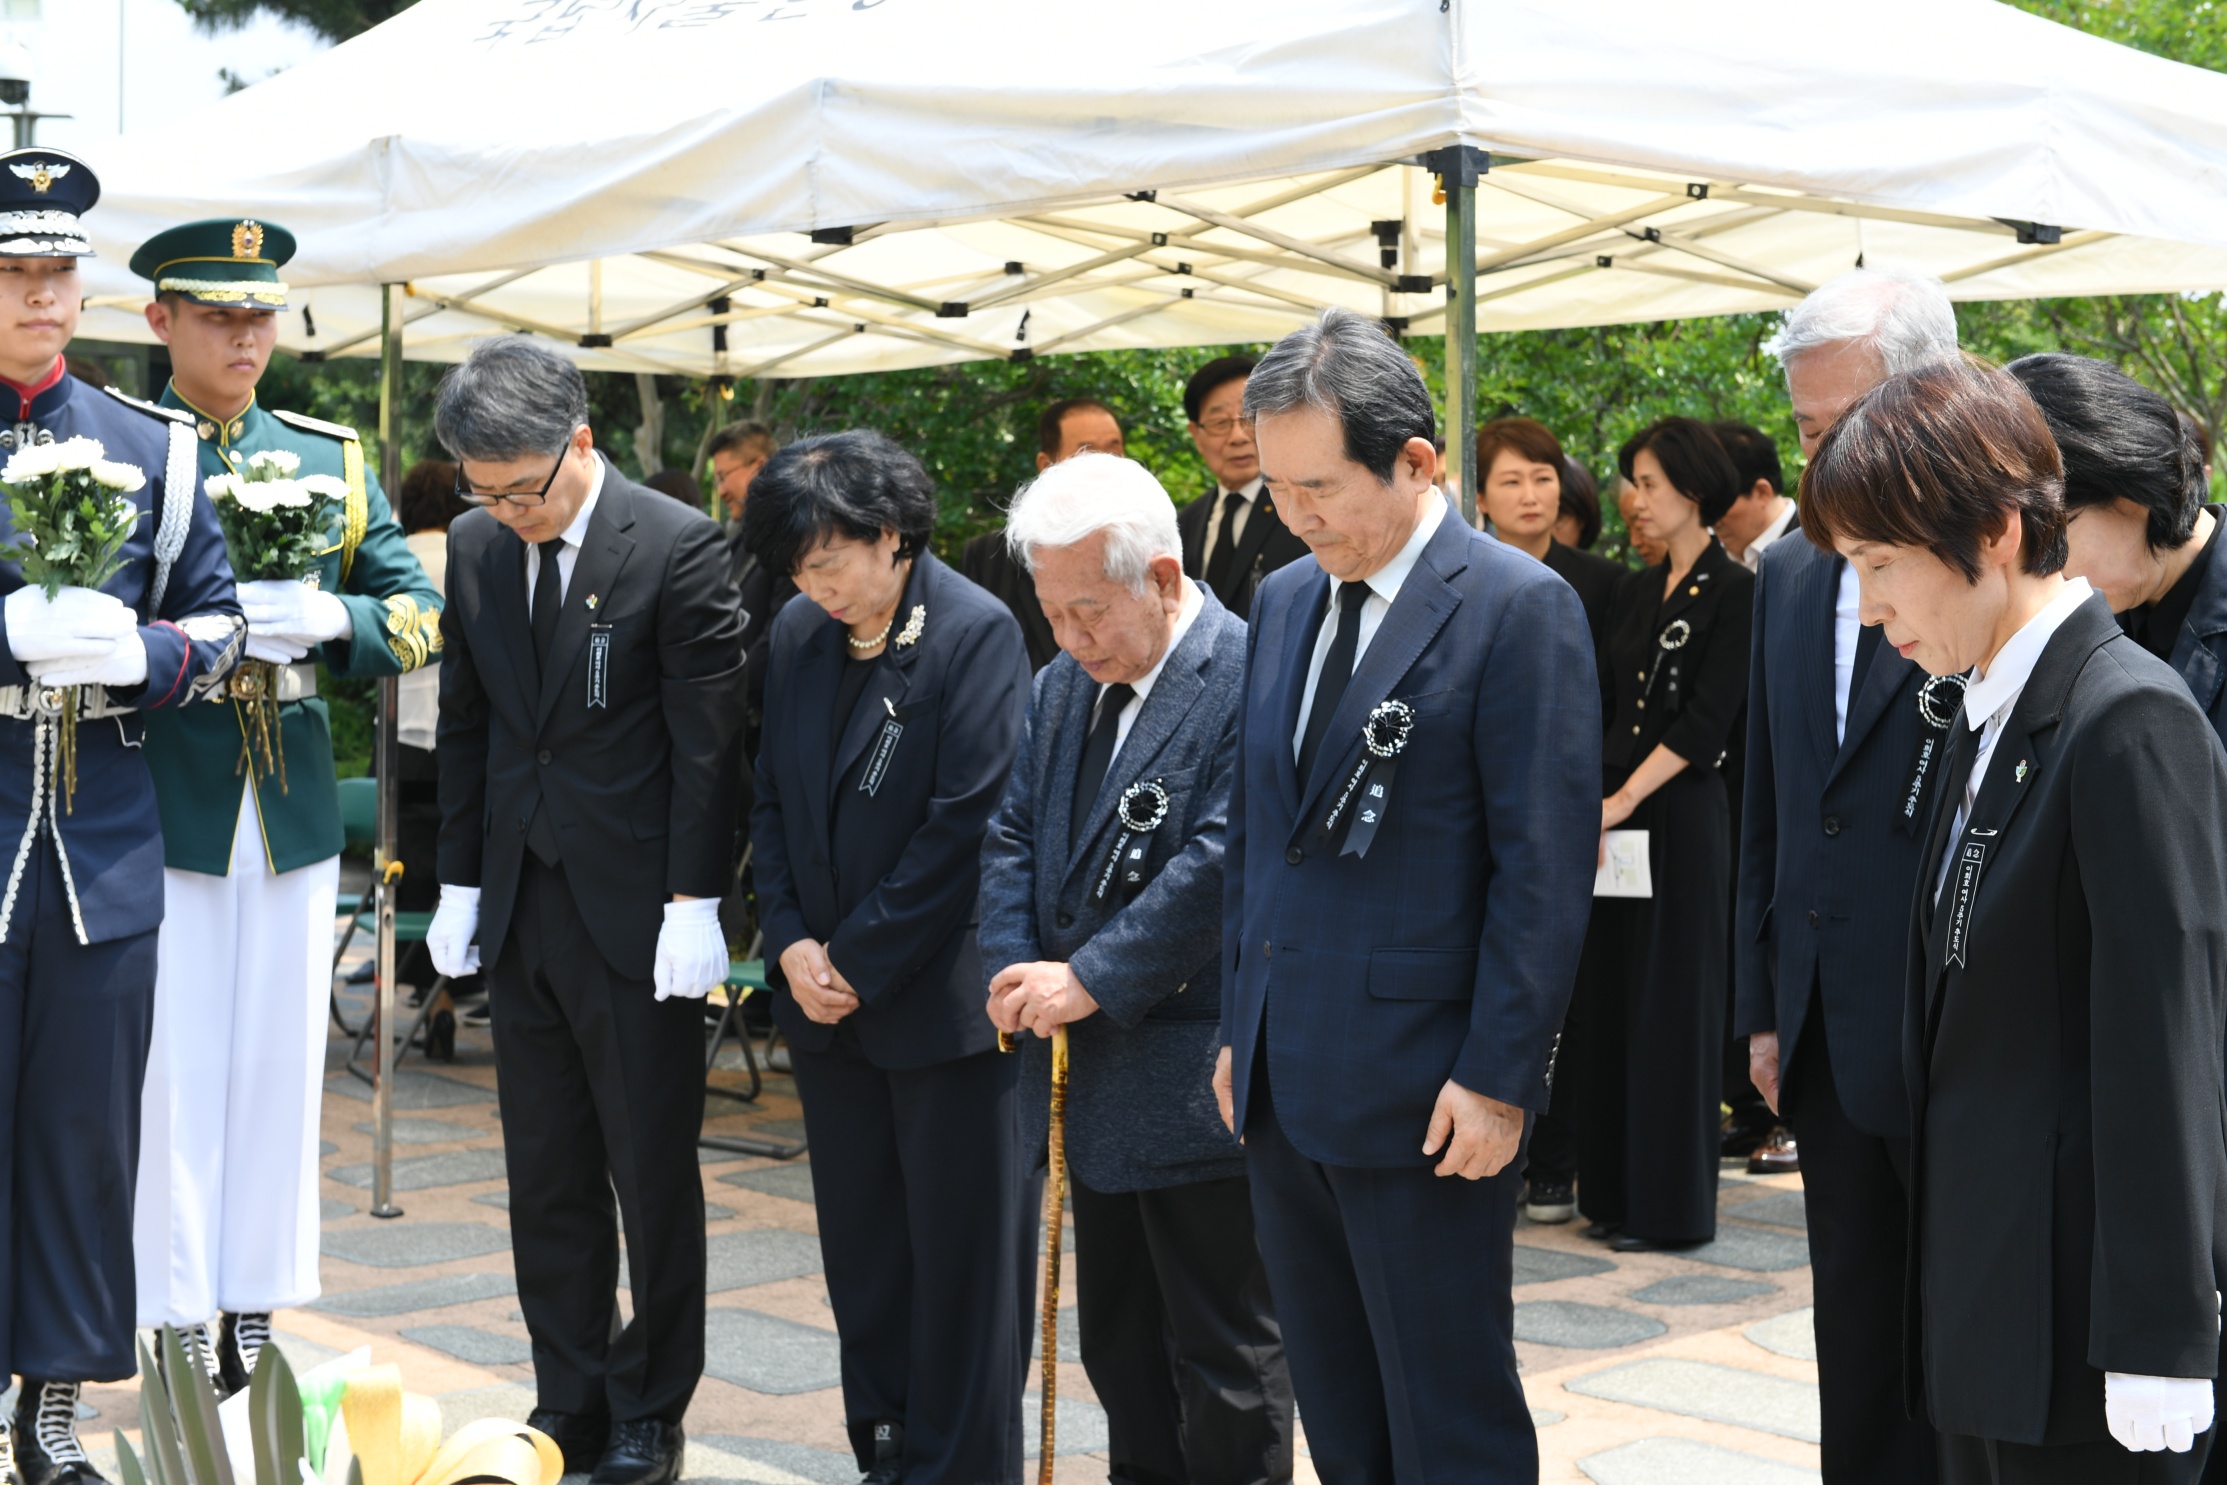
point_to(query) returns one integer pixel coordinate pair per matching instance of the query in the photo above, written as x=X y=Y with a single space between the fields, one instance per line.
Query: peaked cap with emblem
x=43 y=192
x=229 y=261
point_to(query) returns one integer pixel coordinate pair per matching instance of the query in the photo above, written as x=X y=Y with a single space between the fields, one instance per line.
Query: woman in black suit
x=894 y=705
x=1648 y=1028
x=2067 y=990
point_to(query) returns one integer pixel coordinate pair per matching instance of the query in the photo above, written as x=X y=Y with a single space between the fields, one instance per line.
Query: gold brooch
x=914 y=623
x=247 y=240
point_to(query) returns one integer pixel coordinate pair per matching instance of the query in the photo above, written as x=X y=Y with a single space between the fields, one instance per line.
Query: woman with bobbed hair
x=2067 y=993
x=1647 y=1030
x=894 y=703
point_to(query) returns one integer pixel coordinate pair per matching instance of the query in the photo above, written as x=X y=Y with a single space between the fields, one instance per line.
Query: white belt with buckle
x=290 y=683
x=28 y=703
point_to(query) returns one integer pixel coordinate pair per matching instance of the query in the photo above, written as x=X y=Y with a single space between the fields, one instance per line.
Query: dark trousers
x=1970 y=1461
x=75 y=1023
x=1855 y=1189
x=601 y=1088
x=917 y=1176
x=1179 y=1336
x=1552 y=1152
x=1393 y=1290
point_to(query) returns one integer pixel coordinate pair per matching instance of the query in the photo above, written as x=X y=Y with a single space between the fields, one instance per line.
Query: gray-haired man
x=590 y=705
x=1101 y=900
x=1837 y=762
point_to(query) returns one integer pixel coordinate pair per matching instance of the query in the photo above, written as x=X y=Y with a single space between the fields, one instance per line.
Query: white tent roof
x=649 y=171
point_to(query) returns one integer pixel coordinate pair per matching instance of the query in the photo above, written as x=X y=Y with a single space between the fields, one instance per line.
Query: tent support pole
x=386 y=758
x=1459 y=167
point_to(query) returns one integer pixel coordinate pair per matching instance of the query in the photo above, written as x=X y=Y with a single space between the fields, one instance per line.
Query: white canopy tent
x=806 y=187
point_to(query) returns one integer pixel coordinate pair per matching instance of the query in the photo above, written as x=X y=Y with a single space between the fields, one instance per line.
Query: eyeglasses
x=481 y=498
x=1220 y=427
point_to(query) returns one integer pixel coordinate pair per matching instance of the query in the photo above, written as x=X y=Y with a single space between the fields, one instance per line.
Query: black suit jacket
x=2065 y=1006
x=989 y=566
x=1265 y=545
x=631 y=744
x=1593 y=578
x=1829 y=839
x=764 y=592
x=888 y=880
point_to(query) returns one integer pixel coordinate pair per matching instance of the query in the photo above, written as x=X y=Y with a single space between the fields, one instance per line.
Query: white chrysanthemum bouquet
x=72 y=510
x=277 y=523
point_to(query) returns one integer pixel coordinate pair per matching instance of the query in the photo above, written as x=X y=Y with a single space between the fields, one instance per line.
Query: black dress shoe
x=889 y=1455
x=1625 y=1242
x=642 y=1451
x=582 y=1436
x=45 y=1427
x=1601 y=1232
x=1777 y=1156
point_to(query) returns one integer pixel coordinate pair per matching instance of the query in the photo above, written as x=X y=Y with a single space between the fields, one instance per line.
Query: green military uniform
x=395 y=615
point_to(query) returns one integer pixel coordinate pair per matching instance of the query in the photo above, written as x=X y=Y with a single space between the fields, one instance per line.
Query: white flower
x=332 y=487
x=261 y=496
x=274 y=463
x=223 y=486
x=27 y=466
x=123 y=478
x=73 y=454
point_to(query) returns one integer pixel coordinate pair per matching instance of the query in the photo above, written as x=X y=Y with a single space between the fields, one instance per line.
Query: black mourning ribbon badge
x=1142 y=810
x=1939 y=700
x=1367 y=792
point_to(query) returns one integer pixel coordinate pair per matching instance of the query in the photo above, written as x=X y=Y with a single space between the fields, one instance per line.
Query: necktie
x=548 y=599
x=1225 y=547
x=1098 y=753
x=1964 y=753
x=1337 y=670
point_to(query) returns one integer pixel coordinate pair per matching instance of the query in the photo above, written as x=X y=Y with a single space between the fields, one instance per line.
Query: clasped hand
x=287 y=619
x=81 y=637
x=1039 y=997
x=818 y=987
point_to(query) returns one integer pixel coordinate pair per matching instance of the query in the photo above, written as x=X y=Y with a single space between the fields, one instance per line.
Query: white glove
x=691 y=950
x=448 y=938
x=2146 y=1414
x=79 y=623
x=290 y=618
x=123 y=663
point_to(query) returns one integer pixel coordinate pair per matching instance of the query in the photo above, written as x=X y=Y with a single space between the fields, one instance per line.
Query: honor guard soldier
x=82 y=900
x=228 y=1216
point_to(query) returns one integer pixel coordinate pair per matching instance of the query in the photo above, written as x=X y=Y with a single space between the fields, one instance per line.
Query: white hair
x=1077 y=498
x=1904 y=318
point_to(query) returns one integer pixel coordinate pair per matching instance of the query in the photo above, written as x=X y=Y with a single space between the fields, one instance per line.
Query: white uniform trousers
x=227 y=1214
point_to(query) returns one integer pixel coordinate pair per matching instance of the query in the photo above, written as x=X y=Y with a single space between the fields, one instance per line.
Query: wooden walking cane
x=1055 y=1203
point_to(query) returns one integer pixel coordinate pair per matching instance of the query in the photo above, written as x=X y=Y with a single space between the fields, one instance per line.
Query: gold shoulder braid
x=358 y=514
x=413 y=631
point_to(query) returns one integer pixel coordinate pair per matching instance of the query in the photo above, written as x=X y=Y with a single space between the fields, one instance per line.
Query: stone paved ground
x=1642 y=1369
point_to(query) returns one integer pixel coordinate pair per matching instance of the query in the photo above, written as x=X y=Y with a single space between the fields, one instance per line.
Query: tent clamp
x=312 y=356
x=1021 y=353
x=1159 y=239
x=1143 y=196
x=1387 y=235
x=1457 y=164
x=1605 y=261
x=594 y=342
x=1395 y=326
x=1413 y=283
x=832 y=236
x=1697 y=190
x=2034 y=234
x=1187 y=292
x=1014 y=268
x=952 y=309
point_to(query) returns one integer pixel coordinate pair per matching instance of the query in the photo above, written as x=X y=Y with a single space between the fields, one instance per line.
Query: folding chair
x=745 y=977
x=359 y=817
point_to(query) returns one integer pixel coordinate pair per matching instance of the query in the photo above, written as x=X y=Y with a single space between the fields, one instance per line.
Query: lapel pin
x=591 y=600
x=890 y=707
x=2018 y=775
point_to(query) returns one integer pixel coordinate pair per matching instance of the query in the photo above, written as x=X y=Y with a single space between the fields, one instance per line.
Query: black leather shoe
x=1625 y=1242
x=46 y=1448
x=642 y=1451
x=582 y=1436
x=1601 y=1232
x=1777 y=1156
x=889 y=1455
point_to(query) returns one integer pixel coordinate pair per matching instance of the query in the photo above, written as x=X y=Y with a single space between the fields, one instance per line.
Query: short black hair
x=1581 y=497
x=679 y=484
x=1345 y=364
x=744 y=434
x=1049 y=438
x=1215 y=374
x=1695 y=461
x=856 y=484
x=2117 y=437
x=1754 y=453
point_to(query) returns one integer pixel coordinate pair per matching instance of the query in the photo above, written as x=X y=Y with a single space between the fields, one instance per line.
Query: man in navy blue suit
x=1412 y=837
x=1844 y=740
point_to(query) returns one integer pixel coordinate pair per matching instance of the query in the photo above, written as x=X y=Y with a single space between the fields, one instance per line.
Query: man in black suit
x=1066 y=428
x=590 y=711
x=1840 y=752
x=1234 y=538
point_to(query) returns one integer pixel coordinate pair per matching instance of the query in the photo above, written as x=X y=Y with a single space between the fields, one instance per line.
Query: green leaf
x=127 y=1463
x=158 y=1423
x=198 y=1428
x=274 y=1407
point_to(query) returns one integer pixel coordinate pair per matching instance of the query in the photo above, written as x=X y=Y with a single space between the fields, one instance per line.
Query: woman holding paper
x=1647 y=1026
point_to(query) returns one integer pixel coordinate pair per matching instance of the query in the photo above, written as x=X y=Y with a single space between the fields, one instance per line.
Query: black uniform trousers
x=917 y=1176
x=600 y=1088
x=1179 y=1335
x=1646 y=1047
x=1970 y=1461
x=75 y=1024
x=1856 y=1192
x=1393 y=1287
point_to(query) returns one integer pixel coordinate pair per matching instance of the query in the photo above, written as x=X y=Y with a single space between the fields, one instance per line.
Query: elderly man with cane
x=590 y=710
x=1413 y=831
x=1101 y=886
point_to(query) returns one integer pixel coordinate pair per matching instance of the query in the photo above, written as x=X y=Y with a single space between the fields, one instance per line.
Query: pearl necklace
x=863 y=645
